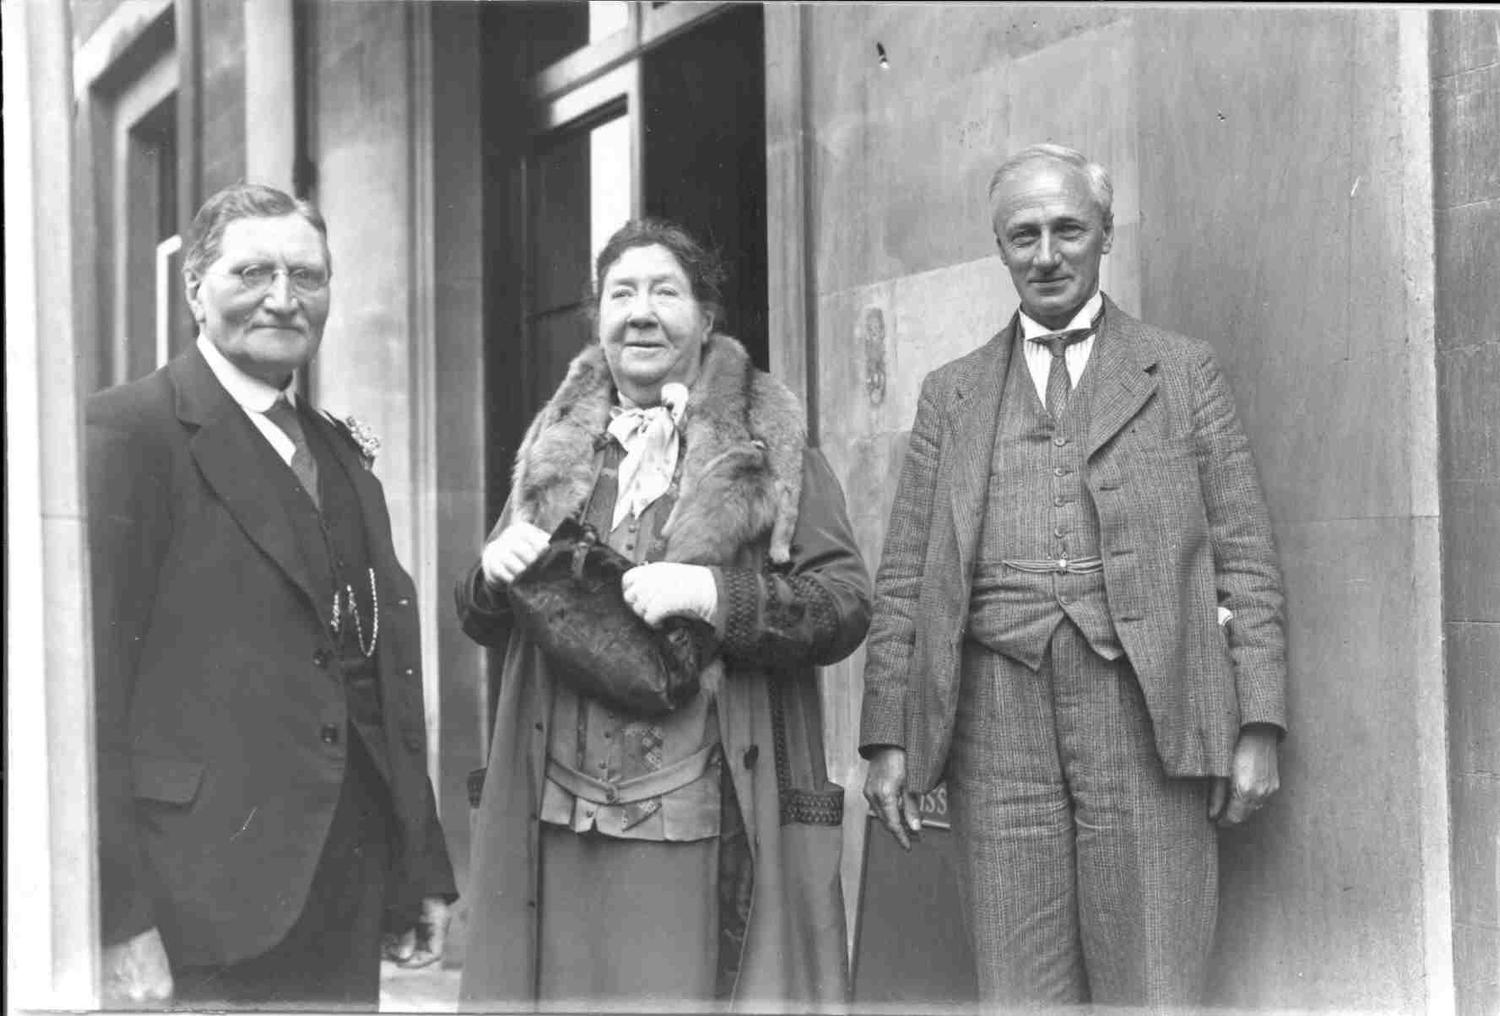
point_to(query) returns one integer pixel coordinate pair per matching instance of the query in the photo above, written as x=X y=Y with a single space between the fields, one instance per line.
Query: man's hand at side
x=422 y=944
x=1254 y=777
x=885 y=790
x=135 y=972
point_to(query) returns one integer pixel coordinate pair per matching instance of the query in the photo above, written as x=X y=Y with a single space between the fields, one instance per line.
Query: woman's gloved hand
x=664 y=589
x=512 y=552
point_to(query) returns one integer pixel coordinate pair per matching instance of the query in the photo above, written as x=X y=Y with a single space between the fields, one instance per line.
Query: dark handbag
x=570 y=602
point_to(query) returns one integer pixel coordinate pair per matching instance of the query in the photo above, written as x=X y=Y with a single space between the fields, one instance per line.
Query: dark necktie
x=1059 y=383
x=284 y=416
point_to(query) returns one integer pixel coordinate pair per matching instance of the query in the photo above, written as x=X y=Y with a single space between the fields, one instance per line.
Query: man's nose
x=1046 y=251
x=279 y=295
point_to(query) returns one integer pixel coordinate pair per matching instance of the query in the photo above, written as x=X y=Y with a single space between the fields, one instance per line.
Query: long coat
x=767 y=512
x=221 y=714
x=1183 y=530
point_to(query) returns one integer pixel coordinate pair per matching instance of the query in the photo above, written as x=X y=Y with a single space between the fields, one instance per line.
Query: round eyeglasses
x=258 y=276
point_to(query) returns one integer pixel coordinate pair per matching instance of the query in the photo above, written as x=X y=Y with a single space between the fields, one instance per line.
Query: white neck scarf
x=649 y=437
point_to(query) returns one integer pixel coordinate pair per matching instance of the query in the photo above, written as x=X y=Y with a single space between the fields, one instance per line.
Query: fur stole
x=742 y=466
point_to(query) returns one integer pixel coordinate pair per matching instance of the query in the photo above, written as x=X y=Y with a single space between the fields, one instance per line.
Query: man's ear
x=192 y=282
x=1109 y=236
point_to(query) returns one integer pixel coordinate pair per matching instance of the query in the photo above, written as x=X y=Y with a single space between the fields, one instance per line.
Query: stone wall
x=1466 y=157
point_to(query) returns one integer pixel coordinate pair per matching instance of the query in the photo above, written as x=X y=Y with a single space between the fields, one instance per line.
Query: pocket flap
x=170 y=780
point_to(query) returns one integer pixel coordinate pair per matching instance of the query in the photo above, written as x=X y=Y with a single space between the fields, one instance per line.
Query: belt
x=638 y=788
x=1061 y=565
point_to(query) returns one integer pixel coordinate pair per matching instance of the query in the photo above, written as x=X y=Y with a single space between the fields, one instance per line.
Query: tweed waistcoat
x=1038 y=508
x=336 y=549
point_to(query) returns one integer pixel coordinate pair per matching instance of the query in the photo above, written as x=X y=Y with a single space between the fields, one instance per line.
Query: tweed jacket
x=767 y=514
x=221 y=715
x=1184 y=530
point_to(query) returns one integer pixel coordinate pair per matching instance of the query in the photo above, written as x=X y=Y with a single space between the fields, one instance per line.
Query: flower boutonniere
x=364 y=439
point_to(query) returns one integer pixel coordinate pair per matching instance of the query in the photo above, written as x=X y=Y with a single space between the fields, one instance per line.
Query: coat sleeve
x=484 y=612
x=129 y=532
x=1246 y=573
x=898 y=584
x=813 y=613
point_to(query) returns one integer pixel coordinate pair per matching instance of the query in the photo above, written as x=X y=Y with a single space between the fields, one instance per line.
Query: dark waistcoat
x=335 y=546
x=1038 y=508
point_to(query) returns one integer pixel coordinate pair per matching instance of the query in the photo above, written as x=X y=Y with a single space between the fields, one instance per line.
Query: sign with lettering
x=910 y=945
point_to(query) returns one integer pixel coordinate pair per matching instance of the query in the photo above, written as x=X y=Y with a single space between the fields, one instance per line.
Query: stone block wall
x=1466 y=159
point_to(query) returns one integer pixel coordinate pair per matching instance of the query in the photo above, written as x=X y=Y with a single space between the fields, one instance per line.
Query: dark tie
x=1059 y=383
x=284 y=416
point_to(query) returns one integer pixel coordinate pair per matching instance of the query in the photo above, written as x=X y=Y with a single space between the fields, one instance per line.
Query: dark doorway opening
x=704 y=100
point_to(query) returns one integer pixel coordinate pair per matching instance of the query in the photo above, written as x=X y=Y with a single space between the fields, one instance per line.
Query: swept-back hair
x=243 y=201
x=1102 y=191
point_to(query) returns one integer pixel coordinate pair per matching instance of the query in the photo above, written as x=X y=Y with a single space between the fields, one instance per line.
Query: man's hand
x=664 y=589
x=512 y=552
x=1254 y=779
x=422 y=944
x=135 y=972
x=885 y=789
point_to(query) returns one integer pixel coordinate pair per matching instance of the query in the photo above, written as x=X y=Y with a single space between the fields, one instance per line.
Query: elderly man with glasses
x=265 y=810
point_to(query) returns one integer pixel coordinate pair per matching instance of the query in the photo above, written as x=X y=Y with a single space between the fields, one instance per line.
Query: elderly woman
x=723 y=885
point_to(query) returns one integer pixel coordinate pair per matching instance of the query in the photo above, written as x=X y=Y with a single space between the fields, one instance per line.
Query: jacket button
x=1060 y=441
x=408 y=672
x=751 y=754
x=320 y=658
x=329 y=734
x=404 y=601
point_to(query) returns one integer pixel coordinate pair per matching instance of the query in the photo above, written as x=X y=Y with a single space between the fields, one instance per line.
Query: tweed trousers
x=1087 y=874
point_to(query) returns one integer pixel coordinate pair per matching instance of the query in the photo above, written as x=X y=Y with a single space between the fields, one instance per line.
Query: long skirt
x=627 y=922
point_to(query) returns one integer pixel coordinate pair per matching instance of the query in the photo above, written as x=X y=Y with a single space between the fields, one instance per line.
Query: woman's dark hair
x=704 y=270
x=242 y=201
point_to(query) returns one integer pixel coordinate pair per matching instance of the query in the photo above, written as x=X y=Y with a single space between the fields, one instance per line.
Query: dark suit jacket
x=1183 y=530
x=221 y=715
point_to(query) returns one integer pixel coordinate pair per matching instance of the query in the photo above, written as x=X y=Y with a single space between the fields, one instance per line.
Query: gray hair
x=1102 y=191
x=243 y=201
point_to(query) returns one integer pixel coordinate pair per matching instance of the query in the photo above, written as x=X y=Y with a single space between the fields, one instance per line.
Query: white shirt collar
x=1085 y=316
x=253 y=394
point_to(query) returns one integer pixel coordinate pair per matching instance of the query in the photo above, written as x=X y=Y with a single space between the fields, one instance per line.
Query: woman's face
x=650 y=325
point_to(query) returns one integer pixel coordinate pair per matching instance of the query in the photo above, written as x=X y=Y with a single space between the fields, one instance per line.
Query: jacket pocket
x=168 y=780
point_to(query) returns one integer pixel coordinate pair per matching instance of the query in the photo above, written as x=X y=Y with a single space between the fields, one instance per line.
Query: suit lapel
x=366 y=488
x=230 y=460
x=1124 y=375
x=973 y=414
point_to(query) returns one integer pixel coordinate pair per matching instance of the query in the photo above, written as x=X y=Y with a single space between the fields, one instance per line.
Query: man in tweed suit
x=1078 y=622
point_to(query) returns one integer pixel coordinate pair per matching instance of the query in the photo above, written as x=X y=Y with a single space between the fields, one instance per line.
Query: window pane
x=609 y=181
x=607 y=18
x=560 y=222
x=583 y=194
